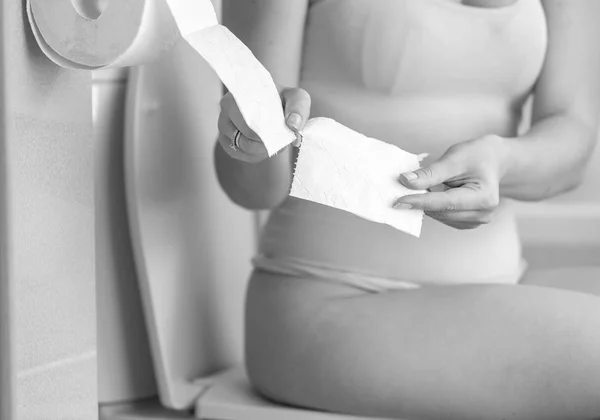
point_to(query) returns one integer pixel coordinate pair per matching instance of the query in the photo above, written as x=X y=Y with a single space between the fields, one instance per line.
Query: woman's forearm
x=548 y=160
x=273 y=30
x=254 y=186
x=551 y=158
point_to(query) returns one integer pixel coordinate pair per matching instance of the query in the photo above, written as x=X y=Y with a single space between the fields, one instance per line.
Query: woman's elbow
x=568 y=183
x=548 y=189
x=578 y=171
x=256 y=202
x=578 y=174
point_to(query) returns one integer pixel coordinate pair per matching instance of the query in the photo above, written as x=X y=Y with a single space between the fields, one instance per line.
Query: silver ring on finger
x=235 y=141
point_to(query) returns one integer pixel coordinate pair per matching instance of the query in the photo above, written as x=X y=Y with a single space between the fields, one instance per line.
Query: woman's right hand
x=249 y=147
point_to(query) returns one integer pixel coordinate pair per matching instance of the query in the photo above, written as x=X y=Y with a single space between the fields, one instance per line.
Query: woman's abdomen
x=326 y=237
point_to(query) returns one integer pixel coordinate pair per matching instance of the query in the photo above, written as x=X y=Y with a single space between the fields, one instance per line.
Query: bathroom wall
x=47 y=232
x=125 y=367
x=7 y=371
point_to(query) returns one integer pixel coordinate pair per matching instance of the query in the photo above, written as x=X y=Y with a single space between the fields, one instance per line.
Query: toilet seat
x=230 y=397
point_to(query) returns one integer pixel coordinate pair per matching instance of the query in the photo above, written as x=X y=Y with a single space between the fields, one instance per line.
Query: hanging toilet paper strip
x=337 y=166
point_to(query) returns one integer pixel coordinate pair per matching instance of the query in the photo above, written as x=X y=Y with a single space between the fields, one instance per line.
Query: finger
x=459 y=225
x=296 y=104
x=470 y=217
x=238 y=153
x=429 y=176
x=225 y=143
x=439 y=188
x=249 y=146
x=230 y=108
x=252 y=147
x=225 y=125
x=455 y=199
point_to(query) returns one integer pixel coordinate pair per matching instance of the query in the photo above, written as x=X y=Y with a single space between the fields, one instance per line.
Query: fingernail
x=402 y=206
x=294 y=121
x=411 y=176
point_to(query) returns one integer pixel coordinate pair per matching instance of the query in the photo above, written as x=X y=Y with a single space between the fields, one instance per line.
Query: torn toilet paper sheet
x=337 y=166
x=341 y=168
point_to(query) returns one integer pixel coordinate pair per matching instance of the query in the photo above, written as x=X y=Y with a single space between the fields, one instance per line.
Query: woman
x=454 y=330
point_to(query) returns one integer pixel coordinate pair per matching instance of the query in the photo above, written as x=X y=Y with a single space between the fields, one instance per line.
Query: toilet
x=180 y=261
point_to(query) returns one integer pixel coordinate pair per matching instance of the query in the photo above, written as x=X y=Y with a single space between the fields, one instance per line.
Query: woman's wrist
x=497 y=152
x=521 y=178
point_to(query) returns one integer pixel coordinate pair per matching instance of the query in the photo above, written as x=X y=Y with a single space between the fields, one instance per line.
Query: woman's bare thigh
x=454 y=352
x=578 y=279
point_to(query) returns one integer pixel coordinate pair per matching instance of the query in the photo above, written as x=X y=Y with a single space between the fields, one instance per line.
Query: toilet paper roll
x=135 y=32
x=360 y=171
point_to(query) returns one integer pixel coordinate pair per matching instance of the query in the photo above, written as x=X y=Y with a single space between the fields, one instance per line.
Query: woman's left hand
x=463 y=184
